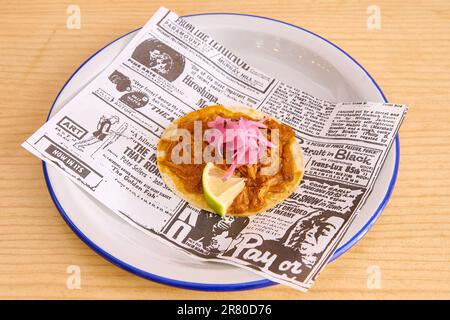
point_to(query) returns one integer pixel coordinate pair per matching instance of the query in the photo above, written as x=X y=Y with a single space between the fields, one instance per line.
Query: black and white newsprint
x=104 y=139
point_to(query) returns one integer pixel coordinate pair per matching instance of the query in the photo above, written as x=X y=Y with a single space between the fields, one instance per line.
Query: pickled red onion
x=243 y=138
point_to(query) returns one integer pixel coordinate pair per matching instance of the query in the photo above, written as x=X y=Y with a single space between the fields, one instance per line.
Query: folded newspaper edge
x=105 y=137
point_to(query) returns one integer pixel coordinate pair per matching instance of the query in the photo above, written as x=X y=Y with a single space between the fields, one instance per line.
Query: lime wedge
x=220 y=194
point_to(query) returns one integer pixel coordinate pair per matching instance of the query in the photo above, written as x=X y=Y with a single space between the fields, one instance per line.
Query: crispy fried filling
x=257 y=186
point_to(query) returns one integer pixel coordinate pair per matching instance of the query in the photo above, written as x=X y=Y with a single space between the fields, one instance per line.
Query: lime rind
x=225 y=191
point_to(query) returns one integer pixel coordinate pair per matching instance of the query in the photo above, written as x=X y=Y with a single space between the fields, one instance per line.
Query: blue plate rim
x=220 y=287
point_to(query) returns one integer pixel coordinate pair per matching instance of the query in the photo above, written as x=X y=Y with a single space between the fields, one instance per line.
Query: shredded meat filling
x=252 y=197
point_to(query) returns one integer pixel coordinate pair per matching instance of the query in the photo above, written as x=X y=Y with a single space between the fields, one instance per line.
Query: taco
x=248 y=162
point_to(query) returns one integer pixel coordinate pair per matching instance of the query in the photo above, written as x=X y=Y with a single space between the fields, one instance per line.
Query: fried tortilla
x=261 y=192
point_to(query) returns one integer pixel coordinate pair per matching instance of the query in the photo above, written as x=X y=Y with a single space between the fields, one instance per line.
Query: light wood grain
x=409 y=58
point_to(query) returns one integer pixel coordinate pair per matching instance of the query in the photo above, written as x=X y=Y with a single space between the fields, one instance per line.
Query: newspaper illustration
x=105 y=138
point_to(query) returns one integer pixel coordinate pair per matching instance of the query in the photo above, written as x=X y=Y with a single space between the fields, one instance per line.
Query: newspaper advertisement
x=104 y=139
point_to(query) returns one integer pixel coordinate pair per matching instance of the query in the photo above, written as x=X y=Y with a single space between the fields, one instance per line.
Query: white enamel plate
x=287 y=52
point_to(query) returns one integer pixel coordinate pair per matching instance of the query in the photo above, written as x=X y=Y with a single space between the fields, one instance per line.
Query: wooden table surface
x=409 y=58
